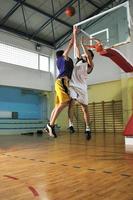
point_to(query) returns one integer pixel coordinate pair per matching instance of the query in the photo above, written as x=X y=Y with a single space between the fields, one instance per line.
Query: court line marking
x=76 y=167
x=31 y=188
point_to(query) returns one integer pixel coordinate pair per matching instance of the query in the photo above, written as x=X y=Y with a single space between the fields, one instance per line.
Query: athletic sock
x=70 y=123
x=87 y=128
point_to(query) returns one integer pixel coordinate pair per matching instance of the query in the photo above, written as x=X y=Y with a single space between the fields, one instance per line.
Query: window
x=13 y=55
x=44 y=63
x=17 y=56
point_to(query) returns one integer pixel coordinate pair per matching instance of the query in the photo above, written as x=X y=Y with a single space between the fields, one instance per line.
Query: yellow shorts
x=61 y=88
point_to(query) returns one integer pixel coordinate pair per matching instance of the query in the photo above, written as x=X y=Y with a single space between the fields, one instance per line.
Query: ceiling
x=45 y=21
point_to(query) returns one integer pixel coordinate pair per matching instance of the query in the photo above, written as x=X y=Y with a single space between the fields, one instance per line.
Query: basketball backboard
x=112 y=26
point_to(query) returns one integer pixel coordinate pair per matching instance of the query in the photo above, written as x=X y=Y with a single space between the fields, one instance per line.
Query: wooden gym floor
x=66 y=168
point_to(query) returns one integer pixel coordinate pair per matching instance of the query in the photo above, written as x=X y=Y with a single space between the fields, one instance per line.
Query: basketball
x=70 y=11
x=98 y=47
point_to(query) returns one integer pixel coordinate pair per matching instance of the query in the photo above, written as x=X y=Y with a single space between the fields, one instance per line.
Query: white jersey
x=79 y=75
x=78 y=82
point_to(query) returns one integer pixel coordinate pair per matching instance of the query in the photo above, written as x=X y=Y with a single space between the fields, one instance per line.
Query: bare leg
x=56 y=112
x=70 y=112
x=87 y=120
x=70 y=116
x=52 y=114
x=86 y=114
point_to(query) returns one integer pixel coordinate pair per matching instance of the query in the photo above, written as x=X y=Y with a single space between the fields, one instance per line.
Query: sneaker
x=45 y=130
x=88 y=134
x=51 y=131
x=71 y=129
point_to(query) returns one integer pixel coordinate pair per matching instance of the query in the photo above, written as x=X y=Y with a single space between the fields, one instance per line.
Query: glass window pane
x=44 y=63
x=13 y=55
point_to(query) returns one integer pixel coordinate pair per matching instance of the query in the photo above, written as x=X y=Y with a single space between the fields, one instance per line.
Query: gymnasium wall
x=105 y=70
x=28 y=91
x=25 y=77
x=28 y=104
x=19 y=42
x=127 y=96
x=18 y=76
x=107 y=91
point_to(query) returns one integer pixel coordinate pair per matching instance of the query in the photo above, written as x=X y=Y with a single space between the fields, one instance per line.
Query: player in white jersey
x=78 y=84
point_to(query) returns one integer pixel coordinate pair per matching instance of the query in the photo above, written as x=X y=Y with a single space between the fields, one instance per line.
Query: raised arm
x=87 y=54
x=76 y=45
x=98 y=46
x=70 y=44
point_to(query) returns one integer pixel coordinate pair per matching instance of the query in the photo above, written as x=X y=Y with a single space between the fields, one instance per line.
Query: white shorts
x=79 y=94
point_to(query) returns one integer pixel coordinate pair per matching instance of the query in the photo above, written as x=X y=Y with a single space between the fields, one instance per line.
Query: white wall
x=16 y=41
x=104 y=71
x=18 y=76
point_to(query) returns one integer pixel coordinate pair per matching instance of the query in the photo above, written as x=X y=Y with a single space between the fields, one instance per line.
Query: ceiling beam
x=25 y=23
x=92 y=3
x=11 y=11
x=59 y=12
x=122 y=1
x=26 y=36
x=52 y=25
x=45 y=13
x=66 y=35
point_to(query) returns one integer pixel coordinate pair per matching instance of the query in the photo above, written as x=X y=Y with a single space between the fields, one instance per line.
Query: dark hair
x=91 y=52
x=59 y=53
